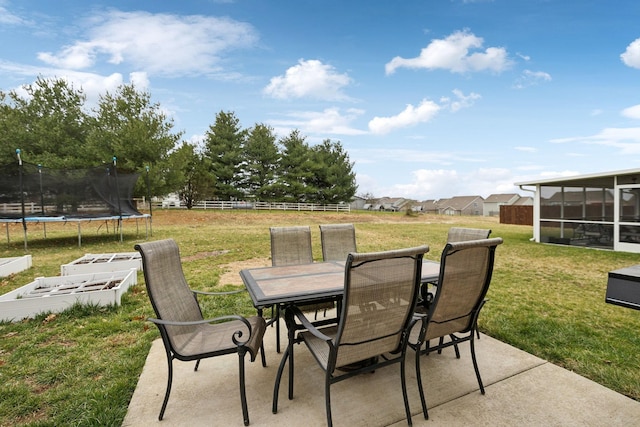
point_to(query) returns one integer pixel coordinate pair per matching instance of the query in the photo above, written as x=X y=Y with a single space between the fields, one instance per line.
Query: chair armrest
x=423 y=318
x=308 y=325
x=237 y=291
x=418 y=317
x=198 y=322
x=236 y=335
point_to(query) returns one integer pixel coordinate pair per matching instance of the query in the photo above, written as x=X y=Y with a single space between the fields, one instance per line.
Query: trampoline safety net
x=68 y=193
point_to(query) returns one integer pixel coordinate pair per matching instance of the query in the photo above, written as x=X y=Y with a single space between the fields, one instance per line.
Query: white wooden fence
x=281 y=206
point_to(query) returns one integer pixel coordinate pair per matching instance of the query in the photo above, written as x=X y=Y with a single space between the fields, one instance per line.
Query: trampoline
x=32 y=194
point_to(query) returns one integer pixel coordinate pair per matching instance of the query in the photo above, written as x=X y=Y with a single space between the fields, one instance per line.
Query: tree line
x=51 y=124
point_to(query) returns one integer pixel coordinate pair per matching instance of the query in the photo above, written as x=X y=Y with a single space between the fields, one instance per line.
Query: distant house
x=426 y=206
x=389 y=204
x=524 y=201
x=429 y=206
x=491 y=205
x=358 y=203
x=461 y=205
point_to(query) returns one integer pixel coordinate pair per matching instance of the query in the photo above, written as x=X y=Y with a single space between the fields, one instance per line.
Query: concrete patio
x=521 y=390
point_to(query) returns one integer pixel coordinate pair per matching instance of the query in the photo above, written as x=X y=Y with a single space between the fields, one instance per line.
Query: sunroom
x=596 y=210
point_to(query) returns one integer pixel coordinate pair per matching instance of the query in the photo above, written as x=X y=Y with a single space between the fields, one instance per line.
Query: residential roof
x=459 y=203
x=524 y=200
x=501 y=198
x=603 y=179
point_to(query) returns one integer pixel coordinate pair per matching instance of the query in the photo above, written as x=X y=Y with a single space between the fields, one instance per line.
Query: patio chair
x=462 y=234
x=380 y=293
x=292 y=246
x=465 y=275
x=338 y=240
x=186 y=335
x=455 y=234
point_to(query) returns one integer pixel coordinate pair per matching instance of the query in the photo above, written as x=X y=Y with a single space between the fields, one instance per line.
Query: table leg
x=276 y=387
x=291 y=333
x=288 y=354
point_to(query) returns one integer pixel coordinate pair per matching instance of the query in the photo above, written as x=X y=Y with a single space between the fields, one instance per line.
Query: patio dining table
x=295 y=284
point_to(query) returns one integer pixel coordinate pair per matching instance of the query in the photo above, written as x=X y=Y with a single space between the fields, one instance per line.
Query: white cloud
x=626 y=140
x=331 y=121
x=8 y=18
x=526 y=149
x=631 y=56
x=156 y=43
x=426 y=184
x=139 y=79
x=424 y=112
x=462 y=100
x=531 y=78
x=632 y=112
x=444 y=183
x=453 y=53
x=529 y=168
x=561 y=174
x=93 y=85
x=311 y=79
x=76 y=57
x=409 y=116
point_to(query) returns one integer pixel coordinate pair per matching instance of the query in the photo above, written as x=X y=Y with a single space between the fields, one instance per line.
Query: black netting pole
x=24 y=220
x=41 y=193
x=149 y=198
x=115 y=174
x=109 y=196
x=44 y=224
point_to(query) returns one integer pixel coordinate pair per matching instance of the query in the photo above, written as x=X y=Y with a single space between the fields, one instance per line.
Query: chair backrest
x=167 y=287
x=291 y=245
x=461 y=234
x=379 y=299
x=465 y=274
x=338 y=240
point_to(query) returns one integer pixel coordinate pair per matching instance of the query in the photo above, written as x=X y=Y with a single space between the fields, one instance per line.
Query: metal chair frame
x=453 y=321
x=164 y=255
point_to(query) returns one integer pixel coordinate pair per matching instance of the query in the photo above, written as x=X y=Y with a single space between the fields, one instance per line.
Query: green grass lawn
x=81 y=367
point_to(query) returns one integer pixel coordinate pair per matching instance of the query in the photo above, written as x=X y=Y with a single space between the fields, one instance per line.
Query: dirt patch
x=203 y=255
x=231 y=275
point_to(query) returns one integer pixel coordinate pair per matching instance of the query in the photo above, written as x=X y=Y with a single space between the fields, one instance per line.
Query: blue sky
x=431 y=99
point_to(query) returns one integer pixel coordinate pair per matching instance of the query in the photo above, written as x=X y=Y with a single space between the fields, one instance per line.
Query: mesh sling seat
x=461 y=234
x=292 y=246
x=380 y=294
x=338 y=241
x=465 y=274
x=186 y=335
x=455 y=234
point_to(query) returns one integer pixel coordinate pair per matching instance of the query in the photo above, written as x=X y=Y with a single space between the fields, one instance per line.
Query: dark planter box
x=623 y=287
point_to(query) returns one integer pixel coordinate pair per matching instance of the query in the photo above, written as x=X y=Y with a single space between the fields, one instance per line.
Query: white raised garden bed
x=10 y=266
x=96 y=263
x=56 y=294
